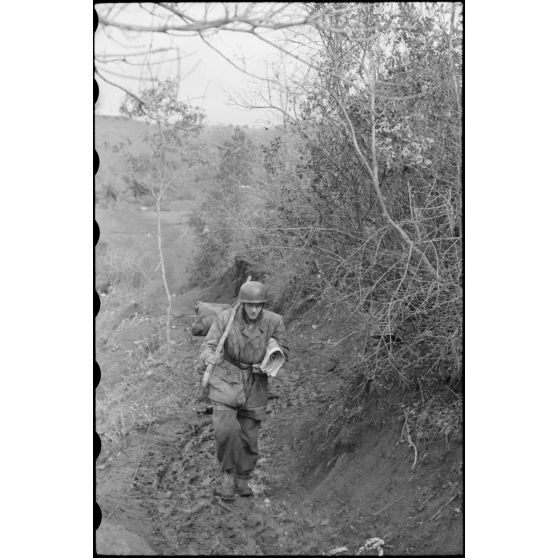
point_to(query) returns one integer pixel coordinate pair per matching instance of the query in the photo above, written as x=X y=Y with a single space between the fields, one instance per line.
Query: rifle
x=218 y=350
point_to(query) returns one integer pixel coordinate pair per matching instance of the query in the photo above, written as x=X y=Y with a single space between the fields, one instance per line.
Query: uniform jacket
x=229 y=384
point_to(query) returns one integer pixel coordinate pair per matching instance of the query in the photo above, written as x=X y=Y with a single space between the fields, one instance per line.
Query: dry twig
x=226 y=508
x=387 y=506
x=410 y=442
x=444 y=506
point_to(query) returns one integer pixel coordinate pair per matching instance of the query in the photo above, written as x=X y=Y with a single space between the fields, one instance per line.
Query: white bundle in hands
x=274 y=359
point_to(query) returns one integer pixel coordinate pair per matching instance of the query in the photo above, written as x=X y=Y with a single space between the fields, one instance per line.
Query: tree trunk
x=162 y=264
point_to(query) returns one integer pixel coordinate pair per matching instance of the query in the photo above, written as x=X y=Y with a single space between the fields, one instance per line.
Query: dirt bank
x=161 y=487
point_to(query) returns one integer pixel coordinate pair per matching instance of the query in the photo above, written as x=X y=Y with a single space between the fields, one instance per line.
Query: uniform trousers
x=236 y=438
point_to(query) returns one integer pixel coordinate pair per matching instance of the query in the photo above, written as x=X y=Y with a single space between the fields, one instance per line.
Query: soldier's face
x=253 y=310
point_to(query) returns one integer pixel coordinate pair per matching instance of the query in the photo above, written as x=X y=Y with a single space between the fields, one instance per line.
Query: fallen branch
x=387 y=506
x=343 y=339
x=419 y=462
x=444 y=506
x=339 y=550
x=410 y=442
x=226 y=508
x=372 y=544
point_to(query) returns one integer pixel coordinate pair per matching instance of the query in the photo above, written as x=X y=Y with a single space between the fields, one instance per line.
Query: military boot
x=226 y=490
x=242 y=487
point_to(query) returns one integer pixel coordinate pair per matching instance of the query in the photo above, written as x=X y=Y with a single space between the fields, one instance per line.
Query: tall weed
x=155 y=385
x=117 y=269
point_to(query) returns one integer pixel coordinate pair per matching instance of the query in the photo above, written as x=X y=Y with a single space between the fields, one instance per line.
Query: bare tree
x=266 y=21
x=170 y=21
x=172 y=122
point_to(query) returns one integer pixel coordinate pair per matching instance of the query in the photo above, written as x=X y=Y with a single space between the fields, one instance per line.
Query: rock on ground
x=116 y=540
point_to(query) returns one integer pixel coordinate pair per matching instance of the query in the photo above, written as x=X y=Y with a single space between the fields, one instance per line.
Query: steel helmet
x=253 y=292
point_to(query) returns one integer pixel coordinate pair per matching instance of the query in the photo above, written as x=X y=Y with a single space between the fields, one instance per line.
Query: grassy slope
x=111 y=131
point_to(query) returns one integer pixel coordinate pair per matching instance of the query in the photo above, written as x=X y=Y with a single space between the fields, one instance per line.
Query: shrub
x=136 y=187
x=211 y=259
x=153 y=387
x=115 y=269
x=106 y=194
x=434 y=419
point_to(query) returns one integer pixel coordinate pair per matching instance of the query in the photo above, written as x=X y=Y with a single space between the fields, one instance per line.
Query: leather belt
x=241 y=365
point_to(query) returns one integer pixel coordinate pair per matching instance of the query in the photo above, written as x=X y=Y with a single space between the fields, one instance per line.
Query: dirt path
x=157 y=494
x=162 y=489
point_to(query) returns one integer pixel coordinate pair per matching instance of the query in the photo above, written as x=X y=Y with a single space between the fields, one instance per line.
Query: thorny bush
x=399 y=271
x=389 y=104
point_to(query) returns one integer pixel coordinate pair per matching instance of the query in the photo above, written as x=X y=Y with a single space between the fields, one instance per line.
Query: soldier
x=237 y=387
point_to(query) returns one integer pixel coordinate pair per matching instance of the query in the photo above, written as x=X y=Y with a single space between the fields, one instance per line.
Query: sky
x=207 y=80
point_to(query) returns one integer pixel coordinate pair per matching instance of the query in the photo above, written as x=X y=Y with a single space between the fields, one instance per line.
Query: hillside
x=156 y=471
x=114 y=131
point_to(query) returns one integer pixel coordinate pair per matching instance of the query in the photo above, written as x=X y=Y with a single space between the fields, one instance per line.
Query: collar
x=252 y=330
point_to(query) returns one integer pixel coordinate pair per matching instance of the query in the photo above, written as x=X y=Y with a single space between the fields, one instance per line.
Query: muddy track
x=161 y=487
x=170 y=496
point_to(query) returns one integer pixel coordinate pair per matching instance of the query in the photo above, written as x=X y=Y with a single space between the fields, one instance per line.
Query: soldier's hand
x=199 y=367
x=211 y=359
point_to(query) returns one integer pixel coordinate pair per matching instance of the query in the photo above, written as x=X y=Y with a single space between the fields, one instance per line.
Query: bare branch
x=108 y=32
x=379 y=194
x=182 y=16
x=130 y=54
x=127 y=91
x=163 y=28
x=287 y=52
x=151 y=13
x=229 y=60
x=125 y=76
x=226 y=23
x=125 y=61
x=142 y=104
x=403 y=98
x=279 y=9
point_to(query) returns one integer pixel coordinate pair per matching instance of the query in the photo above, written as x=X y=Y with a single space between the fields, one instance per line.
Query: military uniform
x=239 y=392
